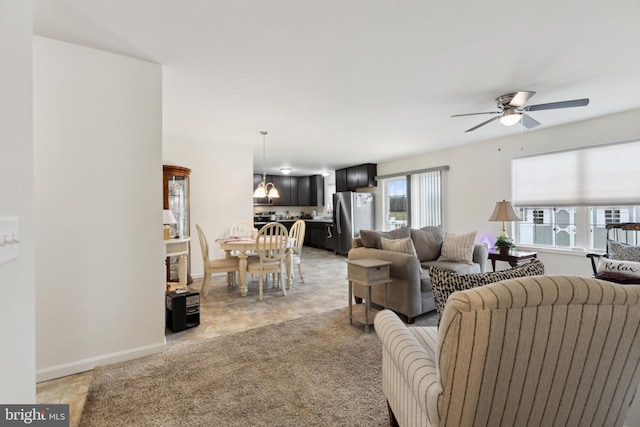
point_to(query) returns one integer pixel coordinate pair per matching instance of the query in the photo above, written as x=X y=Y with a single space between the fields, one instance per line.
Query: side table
x=367 y=272
x=514 y=258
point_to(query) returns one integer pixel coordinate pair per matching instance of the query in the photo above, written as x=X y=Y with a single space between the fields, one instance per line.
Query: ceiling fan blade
x=482 y=124
x=521 y=98
x=561 y=104
x=529 y=122
x=475 y=114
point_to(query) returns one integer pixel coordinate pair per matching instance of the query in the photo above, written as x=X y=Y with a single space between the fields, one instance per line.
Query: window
x=567 y=198
x=397 y=208
x=413 y=199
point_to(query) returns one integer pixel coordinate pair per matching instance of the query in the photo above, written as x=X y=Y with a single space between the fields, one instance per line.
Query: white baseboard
x=84 y=365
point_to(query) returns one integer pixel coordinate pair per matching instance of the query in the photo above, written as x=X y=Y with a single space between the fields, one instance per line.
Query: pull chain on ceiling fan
x=511 y=109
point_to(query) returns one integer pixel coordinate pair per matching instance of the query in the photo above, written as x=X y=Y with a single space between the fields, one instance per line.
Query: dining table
x=244 y=246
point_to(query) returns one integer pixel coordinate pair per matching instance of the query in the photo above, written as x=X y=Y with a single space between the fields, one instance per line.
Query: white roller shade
x=605 y=175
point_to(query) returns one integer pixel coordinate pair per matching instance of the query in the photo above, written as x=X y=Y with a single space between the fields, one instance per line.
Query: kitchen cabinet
x=304 y=188
x=318 y=234
x=351 y=178
x=341 y=180
x=282 y=184
x=293 y=190
x=175 y=196
x=316 y=190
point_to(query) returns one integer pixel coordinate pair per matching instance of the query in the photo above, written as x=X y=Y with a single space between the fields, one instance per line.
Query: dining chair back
x=219 y=265
x=271 y=245
x=297 y=233
x=243 y=229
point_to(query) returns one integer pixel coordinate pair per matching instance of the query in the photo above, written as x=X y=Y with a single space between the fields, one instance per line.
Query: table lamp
x=167 y=219
x=504 y=212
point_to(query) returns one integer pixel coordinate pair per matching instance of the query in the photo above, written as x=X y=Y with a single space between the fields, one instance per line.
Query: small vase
x=504 y=250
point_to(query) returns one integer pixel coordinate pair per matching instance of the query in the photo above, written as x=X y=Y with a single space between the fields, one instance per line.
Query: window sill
x=579 y=252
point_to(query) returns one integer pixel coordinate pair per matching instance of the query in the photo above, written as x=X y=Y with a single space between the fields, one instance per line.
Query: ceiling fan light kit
x=511 y=109
x=510 y=119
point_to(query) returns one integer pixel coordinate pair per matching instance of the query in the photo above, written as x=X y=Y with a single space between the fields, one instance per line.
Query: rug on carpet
x=314 y=371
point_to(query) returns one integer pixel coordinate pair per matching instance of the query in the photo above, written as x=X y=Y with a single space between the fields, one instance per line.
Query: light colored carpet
x=313 y=371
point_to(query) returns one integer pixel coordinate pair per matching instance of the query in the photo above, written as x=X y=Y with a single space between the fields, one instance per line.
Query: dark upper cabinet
x=294 y=198
x=316 y=190
x=351 y=178
x=293 y=190
x=282 y=183
x=304 y=188
x=341 y=180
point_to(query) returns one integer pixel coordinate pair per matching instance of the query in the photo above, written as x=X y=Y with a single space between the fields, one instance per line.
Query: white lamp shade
x=504 y=212
x=167 y=217
x=260 y=191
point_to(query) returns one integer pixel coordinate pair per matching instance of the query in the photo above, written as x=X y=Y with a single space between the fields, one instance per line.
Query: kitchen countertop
x=323 y=221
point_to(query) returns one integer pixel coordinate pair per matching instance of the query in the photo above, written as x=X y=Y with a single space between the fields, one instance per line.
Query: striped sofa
x=533 y=351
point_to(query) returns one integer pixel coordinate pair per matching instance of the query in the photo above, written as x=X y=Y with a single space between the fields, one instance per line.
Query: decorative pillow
x=399 y=245
x=371 y=238
x=458 y=248
x=623 y=251
x=445 y=282
x=617 y=267
x=428 y=242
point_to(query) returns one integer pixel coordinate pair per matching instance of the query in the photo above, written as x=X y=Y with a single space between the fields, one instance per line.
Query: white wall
x=221 y=183
x=221 y=177
x=17 y=279
x=479 y=176
x=98 y=185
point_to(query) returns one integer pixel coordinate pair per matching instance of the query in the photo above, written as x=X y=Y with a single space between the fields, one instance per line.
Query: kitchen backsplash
x=295 y=211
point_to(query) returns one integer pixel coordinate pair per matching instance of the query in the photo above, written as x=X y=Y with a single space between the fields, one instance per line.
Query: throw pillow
x=623 y=251
x=399 y=245
x=428 y=242
x=616 y=267
x=371 y=238
x=458 y=248
x=445 y=282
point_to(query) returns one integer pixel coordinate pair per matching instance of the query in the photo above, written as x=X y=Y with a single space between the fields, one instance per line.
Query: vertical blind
x=426 y=199
x=590 y=176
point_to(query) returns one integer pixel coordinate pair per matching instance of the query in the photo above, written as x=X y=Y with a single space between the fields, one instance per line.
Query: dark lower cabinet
x=318 y=234
x=330 y=238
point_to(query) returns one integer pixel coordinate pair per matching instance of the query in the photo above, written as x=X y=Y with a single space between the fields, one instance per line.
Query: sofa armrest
x=480 y=256
x=416 y=364
x=356 y=242
x=403 y=266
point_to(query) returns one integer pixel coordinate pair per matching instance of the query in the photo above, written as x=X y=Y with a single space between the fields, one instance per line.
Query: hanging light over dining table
x=265 y=189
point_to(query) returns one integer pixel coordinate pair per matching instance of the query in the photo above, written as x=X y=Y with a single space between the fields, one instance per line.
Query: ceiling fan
x=511 y=109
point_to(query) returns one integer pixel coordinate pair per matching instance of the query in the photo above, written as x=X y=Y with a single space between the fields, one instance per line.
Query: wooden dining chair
x=243 y=229
x=219 y=265
x=297 y=232
x=271 y=245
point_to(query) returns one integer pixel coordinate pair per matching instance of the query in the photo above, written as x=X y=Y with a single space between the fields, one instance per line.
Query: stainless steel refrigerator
x=352 y=212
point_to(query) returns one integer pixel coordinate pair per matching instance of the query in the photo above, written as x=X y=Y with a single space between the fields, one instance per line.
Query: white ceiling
x=343 y=82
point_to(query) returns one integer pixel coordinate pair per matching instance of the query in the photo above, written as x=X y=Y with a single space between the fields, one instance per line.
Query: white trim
x=88 y=364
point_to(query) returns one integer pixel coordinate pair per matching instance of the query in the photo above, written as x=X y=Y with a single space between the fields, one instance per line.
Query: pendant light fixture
x=265 y=189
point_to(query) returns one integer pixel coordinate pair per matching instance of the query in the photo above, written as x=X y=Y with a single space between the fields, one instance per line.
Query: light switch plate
x=9 y=239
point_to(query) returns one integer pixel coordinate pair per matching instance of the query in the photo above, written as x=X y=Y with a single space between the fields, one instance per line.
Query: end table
x=514 y=258
x=367 y=272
